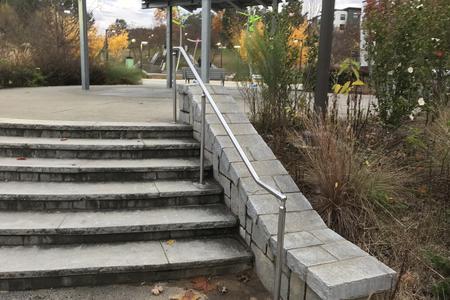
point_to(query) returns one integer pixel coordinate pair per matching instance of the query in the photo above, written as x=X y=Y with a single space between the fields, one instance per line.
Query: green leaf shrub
x=408 y=50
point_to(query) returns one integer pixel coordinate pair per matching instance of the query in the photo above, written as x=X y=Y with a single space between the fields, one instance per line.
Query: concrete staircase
x=87 y=203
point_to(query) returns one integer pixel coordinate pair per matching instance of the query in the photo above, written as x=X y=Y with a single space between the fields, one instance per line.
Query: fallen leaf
x=203 y=284
x=423 y=189
x=157 y=289
x=243 y=278
x=223 y=289
x=187 y=295
x=63 y=139
x=170 y=242
x=21 y=158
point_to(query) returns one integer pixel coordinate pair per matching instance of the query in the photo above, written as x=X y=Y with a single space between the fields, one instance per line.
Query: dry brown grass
x=350 y=184
x=379 y=191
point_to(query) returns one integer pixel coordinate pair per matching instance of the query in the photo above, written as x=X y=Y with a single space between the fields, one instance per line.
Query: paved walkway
x=151 y=101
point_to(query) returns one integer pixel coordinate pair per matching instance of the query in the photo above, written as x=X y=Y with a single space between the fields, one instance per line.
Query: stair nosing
x=44 y=165
x=224 y=219
x=29 y=124
x=244 y=256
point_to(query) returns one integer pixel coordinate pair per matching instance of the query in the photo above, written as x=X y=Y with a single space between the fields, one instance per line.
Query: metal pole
x=141 y=56
x=202 y=140
x=323 y=65
x=84 y=49
x=106 y=46
x=174 y=84
x=169 y=45
x=280 y=249
x=206 y=39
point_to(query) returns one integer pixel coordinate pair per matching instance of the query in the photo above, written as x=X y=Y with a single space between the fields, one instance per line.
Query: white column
x=84 y=48
x=206 y=39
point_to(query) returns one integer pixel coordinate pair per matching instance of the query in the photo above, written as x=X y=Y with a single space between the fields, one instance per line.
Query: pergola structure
x=205 y=5
x=326 y=30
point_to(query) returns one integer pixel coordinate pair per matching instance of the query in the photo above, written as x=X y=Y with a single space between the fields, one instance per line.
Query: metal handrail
x=280 y=196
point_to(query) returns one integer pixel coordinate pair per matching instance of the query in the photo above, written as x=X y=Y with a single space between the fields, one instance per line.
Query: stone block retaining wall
x=319 y=263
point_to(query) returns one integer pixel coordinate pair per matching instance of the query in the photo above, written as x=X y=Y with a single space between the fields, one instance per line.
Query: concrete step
x=92 y=130
x=12 y=146
x=33 y=267
x=64 y=170
x=38 y=196
x=34 y=228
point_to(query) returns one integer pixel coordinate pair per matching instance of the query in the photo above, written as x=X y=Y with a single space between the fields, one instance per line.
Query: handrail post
x=202 y=140
x=174 y=84
x=280 y=249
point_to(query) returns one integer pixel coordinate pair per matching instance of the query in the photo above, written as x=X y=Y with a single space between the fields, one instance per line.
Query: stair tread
x=89 y=125
x=95 y=144
x=117 y=221
x=104 y=190
x=35 y=261
x=92 y=165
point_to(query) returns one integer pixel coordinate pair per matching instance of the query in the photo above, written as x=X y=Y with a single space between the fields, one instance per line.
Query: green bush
x=120 y=74
x=408 y=50
x=19 y=76
x=274 y=59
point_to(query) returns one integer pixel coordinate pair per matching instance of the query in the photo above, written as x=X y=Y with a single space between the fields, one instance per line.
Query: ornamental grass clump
x=349 y=185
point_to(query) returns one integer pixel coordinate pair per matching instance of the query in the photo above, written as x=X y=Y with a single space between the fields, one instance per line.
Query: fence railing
x=280 y=196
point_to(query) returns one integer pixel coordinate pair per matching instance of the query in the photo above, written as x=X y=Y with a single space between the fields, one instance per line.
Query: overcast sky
x=107 y=11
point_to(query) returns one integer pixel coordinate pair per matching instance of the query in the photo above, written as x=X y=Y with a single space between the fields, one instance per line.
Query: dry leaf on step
x=170 y=242
x=157 y=289
x=21 y=158
x=187 y=295
x=243 y=278
x=203 y=284
x=223 y=289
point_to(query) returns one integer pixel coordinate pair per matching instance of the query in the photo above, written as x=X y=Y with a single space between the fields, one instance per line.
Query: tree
x=119 y=26
x=232 y=25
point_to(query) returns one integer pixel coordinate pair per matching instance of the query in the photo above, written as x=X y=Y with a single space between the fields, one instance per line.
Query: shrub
x=120 y=74
x=274 y=58
x=408 y=49
x=350 y=184
x=19 y=76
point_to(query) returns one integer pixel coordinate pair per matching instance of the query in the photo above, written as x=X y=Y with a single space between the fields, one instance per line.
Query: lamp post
x=129 y=47
x=142 y=45
x=150 y=37
x=220 y=47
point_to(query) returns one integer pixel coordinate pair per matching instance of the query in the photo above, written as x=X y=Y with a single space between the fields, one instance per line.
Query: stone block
x=268 y=204
x=311 y=295
x=299 y=260
x=351 y=278
x=242 y=232
x=295 y=221
x=286 y=184
x=262 y=168
x=236 y=117
x=296 y=240
x=225 y=183
x=249 y=224
x=344 y=250
x=260 y=236
x=248 y=186
x=284 y=287
x=264 y=268
x=297 y=287
x=326 y=235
